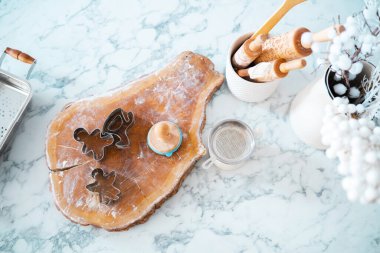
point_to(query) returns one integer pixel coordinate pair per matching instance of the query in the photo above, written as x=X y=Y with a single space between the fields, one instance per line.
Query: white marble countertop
x=287 y=199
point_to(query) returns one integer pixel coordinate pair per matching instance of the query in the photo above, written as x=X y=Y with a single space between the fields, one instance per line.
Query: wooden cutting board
x=179 y=93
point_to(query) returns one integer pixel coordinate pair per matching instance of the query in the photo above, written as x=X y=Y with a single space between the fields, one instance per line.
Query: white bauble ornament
x=356 y=168
x=365 y=132
x=357 y=142
x=371 y=124
x=344 y=126
x=331 y=33
x=326 y=140
x=360 y=108
x=343 y=108
x=370 y=194
x=363 y=121
x=351 y=108
x=370 y=157
x=347 y=183
x=352 y=195
x=354 y=92
x=356 y=68
x=336 y=50
x=337 y=101
x=340 y=89
x=339 y=118
x=344 y=62
x=374 y=139
x=376 y=130
x=354 y=124
x=343 y=169
x=331 y=153
x=373 y=177
x=366 y=48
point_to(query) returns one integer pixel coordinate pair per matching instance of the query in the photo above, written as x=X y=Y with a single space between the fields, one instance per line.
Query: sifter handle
x=17 y=54
x=207 y=164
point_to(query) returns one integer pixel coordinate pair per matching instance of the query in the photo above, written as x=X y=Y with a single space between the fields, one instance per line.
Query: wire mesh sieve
x=231 y=141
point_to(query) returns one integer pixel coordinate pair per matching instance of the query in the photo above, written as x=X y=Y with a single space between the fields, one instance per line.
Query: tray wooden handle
x=17 y=54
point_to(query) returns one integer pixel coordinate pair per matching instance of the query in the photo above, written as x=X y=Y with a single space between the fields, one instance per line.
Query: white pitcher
x=308 y=107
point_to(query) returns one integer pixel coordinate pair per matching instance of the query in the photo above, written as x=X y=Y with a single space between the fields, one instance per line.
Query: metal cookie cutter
x=115 y=132
x=15 y=96
x=104 y=185
x=118 y=124
x=93 y=143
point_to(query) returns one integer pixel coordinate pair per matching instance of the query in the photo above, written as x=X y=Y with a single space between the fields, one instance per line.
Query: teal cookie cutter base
x=170 y=153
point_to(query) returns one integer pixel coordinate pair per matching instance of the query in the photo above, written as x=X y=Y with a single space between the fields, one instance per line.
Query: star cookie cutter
x=115 y=128
x=104 y=185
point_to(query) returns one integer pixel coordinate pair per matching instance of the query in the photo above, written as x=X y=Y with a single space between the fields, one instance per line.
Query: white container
x=230 y=145
x=308 y=107
x=244 y=90
x=307 y=112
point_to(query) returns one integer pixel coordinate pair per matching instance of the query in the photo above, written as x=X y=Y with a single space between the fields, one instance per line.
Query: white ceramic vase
x=308 y=107
x=245 y=90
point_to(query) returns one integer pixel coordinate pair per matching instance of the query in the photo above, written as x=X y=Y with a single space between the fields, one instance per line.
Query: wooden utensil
x=295 y=44
x=276 y=17
x=242 y=58
x=249 y=47
x=321 y=36
x=269 y=71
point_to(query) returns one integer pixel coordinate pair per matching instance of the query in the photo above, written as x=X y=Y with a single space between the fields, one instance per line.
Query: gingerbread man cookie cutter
x=104 y=185
x=115 y=128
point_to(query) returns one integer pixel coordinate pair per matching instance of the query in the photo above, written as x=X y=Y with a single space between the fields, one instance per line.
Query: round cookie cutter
x=230 y=143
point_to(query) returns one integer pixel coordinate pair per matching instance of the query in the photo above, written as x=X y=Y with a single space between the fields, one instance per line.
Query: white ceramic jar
x=242 y=89
x=308 y=108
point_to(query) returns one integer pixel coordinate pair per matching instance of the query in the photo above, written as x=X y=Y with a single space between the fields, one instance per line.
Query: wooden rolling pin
x=295 y=44
x=243 y=56
x=251 y=48
x=270 y=71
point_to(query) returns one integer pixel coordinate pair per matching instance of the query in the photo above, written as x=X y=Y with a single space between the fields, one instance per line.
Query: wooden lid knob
x=164 y=137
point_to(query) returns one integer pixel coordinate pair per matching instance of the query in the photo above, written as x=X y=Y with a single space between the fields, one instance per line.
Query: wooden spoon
x=276 y=17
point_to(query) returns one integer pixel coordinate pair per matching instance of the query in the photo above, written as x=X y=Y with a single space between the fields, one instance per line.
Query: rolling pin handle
x=292 y=65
